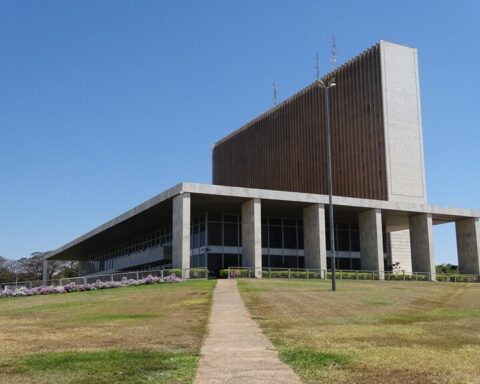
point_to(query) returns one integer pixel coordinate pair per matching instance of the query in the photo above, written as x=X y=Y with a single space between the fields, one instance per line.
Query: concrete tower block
x=252 y=235
x=181 y=231
x=371 y=241
x=468 y=245
x=421 y=244
x=314 y=237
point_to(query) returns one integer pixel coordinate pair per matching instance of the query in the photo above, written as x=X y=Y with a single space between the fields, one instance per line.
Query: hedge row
x=72 y=287
x=293 y=274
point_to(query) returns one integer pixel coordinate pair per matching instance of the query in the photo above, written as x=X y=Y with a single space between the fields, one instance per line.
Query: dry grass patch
x=391 y=332
x=43 y=336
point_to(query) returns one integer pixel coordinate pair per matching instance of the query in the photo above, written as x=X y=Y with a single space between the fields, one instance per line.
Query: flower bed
x=72 y=287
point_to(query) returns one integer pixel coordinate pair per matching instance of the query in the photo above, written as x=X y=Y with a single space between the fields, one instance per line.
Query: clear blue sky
x=104 y=104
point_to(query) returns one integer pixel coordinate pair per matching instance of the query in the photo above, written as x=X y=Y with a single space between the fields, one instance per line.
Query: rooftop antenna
x=333 y=52
x=317 y=66
x=274 y=86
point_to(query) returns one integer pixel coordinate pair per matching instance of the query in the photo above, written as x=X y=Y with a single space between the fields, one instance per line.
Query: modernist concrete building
x=266 y=207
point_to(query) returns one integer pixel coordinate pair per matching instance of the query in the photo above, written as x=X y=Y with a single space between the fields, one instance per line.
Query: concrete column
x=181 y=231
x=371 y=241
x=421 y=244
x=468 y=245
x=45 y=272
x=252 y=234
x=315 y=243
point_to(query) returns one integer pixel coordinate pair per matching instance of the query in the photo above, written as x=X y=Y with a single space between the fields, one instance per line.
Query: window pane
x=214 y=261
x=230 y=235
x=265 y=261
x=290 y=237
x=275 y=237
x=264 y=236
x=290 y=261
x=274 y=221
x=343 y=241
x=230 y=260
x=214 y=217
x=230 y=218
x=300 y=238
x=195 y=236
x=201 y=242
x=355 y=241
x=214 y=234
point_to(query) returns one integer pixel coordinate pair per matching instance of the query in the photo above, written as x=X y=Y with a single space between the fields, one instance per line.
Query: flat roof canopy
x=157 y=213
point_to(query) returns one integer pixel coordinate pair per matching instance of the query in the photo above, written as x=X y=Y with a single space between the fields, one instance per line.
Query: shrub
x=72 y=287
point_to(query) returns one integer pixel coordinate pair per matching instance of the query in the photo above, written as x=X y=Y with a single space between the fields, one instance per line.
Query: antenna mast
x=317 y=66
x=333 y=52
x=274 y=88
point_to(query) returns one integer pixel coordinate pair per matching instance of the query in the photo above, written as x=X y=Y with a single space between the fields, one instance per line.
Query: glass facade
x=130 y=253
x=216 y=242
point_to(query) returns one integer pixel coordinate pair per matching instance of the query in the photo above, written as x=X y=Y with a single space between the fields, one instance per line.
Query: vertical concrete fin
x=181 y=231
x=315 y=247
x=468 y=245
x=371 y=240
x=252 y=233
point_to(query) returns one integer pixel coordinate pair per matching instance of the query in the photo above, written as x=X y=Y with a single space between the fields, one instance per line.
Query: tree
x=6 y=273
x=447 y=268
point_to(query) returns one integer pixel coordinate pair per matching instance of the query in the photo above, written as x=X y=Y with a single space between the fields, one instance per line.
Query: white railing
x=307 y=274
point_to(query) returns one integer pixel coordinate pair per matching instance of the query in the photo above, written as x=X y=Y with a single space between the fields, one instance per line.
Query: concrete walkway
x=236 y=351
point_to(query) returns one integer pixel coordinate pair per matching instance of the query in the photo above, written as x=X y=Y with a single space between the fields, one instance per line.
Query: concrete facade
x=181 y=231
x=402 y=123
x=421 y=241
x=371 y=242
x=400 y=251
x=468 y=245
x=315 y=243
x=252 y=233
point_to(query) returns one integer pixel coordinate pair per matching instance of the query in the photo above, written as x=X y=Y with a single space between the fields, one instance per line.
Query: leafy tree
x=447 y=268
x=31 y=268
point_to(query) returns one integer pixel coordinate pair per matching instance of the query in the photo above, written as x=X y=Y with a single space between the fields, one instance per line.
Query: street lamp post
x=328 y=128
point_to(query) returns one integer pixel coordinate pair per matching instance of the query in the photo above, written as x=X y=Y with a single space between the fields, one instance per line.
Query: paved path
x=236 y=351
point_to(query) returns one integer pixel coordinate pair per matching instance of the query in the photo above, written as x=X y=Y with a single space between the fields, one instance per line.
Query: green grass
x=371 y=331
x=104 y=367
x=141 y=334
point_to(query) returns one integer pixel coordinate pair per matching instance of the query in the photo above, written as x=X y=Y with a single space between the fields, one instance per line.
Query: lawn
x=371 y=332
x=141 y=334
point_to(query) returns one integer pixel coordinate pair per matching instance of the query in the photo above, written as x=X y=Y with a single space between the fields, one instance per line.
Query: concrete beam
x=371 y=241
x=252 y=235
x=421 y=244
x=468 y=245
x=315 y=248
x=181 y=231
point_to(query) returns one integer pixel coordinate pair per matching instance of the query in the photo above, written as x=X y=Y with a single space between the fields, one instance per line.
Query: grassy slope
x=134 y=335
x=369 y=332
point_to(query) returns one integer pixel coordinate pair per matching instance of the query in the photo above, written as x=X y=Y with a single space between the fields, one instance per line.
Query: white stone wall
x=403 y=125
x=400 y=249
